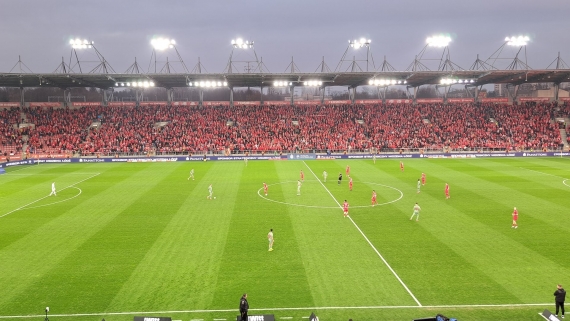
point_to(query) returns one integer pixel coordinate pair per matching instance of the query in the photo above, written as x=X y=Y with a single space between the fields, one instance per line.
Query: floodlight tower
x=240 y=44
x=163 y=44
x=357 y=44
x=445 y=63
x=516 y=63
x=79 y=44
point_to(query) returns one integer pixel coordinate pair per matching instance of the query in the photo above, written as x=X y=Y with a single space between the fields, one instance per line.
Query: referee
x=243 y=307
x=339 y=178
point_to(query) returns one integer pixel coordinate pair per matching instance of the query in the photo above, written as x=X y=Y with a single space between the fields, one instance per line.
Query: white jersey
x=417 y=209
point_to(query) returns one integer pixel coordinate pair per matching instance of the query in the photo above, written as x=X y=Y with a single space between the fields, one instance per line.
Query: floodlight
x=517 y=41
x=162 y=43
x=128 y=84
x=438 y=41
x=225 y=83
x=242 y=44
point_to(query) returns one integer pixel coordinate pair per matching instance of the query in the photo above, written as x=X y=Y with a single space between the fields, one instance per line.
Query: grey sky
x=39 y=31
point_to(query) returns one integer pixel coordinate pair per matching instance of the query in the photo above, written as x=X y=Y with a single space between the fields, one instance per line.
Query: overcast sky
x=39 y=31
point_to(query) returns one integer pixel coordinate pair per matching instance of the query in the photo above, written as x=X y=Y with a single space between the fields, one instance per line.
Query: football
x=214 y=197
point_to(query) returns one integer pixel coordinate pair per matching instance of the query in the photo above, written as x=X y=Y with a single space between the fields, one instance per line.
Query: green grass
x=140 y=237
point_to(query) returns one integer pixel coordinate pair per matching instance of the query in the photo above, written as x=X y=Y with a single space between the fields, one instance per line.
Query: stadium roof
x=348 y=79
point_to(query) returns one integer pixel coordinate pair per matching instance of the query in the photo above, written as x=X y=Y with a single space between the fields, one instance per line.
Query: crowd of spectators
x=112 y=130
x=10 y=135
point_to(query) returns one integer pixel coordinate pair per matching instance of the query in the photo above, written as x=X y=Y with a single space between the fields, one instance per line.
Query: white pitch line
x=65 y=200
x=367 y=240
x=39 y=199
x=423 y=307
x=532 y=170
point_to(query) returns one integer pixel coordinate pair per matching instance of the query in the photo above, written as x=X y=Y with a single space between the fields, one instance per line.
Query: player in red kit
x=302 y=176
x=374 y=198
x=347 y=170
x=402 y=166
x=345 y=208
x=447 y=191
x=350 y=183
x=265 y=188
x=423 y=178
x=515 y=218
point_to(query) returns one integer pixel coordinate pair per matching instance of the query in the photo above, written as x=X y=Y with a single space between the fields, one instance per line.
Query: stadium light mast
x=163 y=44
x=356 y=45
x=83 y=44
x=243 y=45
x=516 y=63
x=444 y=62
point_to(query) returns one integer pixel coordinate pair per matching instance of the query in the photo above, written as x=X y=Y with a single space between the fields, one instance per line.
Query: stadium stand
x=264 y=129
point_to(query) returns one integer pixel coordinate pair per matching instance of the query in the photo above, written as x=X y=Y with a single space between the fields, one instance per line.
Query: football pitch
x=134 y=239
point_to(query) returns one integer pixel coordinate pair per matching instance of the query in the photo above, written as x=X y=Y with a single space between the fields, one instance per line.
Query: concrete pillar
x=22 y=97
x=200 y=96
x=67 y=97
x=231 y=96
x=169 y=96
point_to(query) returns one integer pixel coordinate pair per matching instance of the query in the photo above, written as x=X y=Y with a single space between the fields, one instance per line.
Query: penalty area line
x=39 y=199
x=381 y=307
x=367 y=240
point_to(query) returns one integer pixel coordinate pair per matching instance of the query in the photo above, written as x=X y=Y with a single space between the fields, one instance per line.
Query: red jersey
x=347 y=170
x=265 y=187
x=302 y=175
x=373 y=196
x=446 y=189
x=423 y=178
x=345 y=207
x=515 y=215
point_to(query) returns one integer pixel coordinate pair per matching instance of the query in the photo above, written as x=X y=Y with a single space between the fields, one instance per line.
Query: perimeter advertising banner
x=306 y=102
x=122 y=104
x=277 y=157
x=9 y=104
x=152 y=103
x=278 y=103
x=337 y=102
x=369 y=101
x=460 y=100
x=184 y=103
x=398 y=101
x=523 y=99
x=494 y=100
x=429 y=100
x=247 y=103
x=216 y=103
x=86 y=103
x=45 y=104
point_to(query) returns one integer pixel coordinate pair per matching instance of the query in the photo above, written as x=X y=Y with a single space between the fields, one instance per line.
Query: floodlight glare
x=241 y=44
x=363 y=42
x=162 y=43
x=517 y=41
x=438 y=41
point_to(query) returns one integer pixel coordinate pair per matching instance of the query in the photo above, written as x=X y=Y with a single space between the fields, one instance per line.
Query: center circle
x=260 y=193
